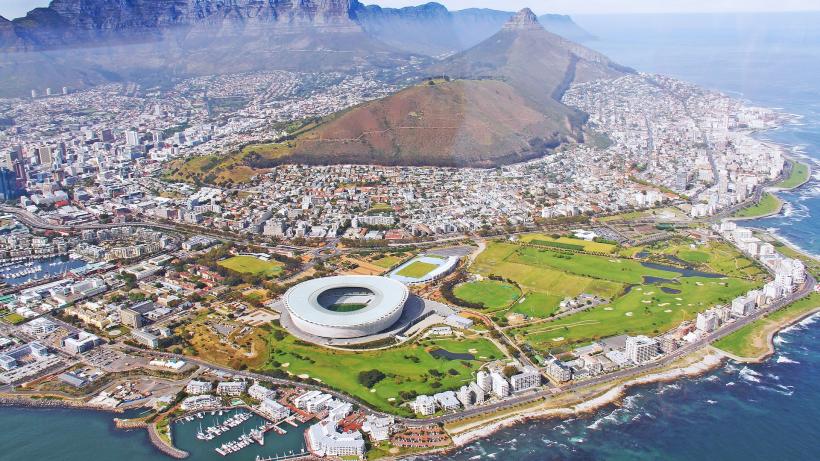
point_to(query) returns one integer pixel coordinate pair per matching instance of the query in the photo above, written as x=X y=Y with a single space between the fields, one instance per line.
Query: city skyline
x=11 y=9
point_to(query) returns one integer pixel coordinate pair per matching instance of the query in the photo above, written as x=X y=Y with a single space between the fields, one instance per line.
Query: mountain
x=78 y=43
x=539 y=64
x=501 y=106
x=433 y=30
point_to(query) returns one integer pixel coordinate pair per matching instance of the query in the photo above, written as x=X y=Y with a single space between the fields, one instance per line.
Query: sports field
x=493 y=294
x=417 y=270
x=408 y=367
x=252 y=265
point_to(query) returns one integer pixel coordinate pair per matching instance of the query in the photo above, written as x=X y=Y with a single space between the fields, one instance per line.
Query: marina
x=23 y=272
x=238 y=434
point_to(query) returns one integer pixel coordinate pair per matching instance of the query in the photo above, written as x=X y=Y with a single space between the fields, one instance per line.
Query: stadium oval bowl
x=349 y=306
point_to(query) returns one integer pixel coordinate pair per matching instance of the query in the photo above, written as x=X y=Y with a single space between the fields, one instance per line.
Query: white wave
x=577 y=440
x=711 y=402
x=475 y=457
x=711 y=378
x=548 y=442
x=491 y=455
x=784 y=359
x=810 y=320
x=773 y=376
x=779 y=341
x=787 y=330
x=786 y=392
x=629 y=401
x=668 y=387
x=749 y=375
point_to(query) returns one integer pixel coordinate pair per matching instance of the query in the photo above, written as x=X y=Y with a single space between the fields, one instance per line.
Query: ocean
x=739 y=412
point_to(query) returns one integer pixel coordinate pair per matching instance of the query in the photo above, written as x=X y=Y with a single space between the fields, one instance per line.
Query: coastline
x=612 y=395
x=771 y=349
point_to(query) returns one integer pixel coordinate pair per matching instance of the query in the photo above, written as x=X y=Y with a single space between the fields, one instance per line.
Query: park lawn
x=379 y=208
x=651 y=312
x=417 y=270
x=387 y=261
x=407 y=367
x=598 y=267
x=252 y=265
x=768 y=204
x=14 y=319
x=493 y=260
x=593 y=247
x=799 y=175
x=492 y=294
x=539 y=305
x=751 y=341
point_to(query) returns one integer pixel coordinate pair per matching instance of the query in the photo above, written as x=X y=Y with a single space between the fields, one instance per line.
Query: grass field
x=14 y=319
x=768 y=204
x=498 y=259
x=493 y=294
x=387 y=261
x=252 y=265
x=408 y=367
x=593 y=247
x=799 y=175
x=647 y=309
x=417 y=270
x=751 y=341
x=537 y=305
x=611 y=269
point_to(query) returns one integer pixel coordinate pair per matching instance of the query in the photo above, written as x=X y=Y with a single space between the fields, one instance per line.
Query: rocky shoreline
x=710 y=362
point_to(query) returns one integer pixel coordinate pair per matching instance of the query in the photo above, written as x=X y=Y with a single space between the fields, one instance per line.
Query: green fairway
x=715 y=256
x=492 y=294
x=768 y=204
x=252 y=265
x=417 y=269
x=497 y=259
x=538 y=305
x=646 y=309
x=751 y=341
x=799 y=175
x=409 y=368
x=598 y=267
x=571 y=243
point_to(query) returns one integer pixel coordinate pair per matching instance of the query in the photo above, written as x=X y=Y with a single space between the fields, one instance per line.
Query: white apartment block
x=640 y=349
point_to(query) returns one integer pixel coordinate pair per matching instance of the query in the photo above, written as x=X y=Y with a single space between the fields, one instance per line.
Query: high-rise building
x=132 y=138
x=9 y=190
x=641 y=349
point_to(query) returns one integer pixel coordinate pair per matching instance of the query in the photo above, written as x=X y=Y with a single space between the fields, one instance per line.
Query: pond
x=447 y=355
x=683 y=272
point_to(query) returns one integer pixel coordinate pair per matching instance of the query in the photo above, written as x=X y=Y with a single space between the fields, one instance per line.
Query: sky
x=16 y=8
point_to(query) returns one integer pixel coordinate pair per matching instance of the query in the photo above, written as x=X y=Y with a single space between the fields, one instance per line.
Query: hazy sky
x=15 y=8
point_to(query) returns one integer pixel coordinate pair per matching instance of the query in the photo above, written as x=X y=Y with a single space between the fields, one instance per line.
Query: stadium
x=345 y=307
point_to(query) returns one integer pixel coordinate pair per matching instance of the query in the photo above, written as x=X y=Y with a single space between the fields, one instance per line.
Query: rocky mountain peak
x=523 y=20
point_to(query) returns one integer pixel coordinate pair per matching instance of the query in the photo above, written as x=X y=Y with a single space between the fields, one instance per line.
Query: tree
x=370 y=378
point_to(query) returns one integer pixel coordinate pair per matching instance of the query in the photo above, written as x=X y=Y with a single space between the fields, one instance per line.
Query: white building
x=195 y=387
x=501 y=387
x=273 y=409
x=260 y=392
x=641 y=349
x=478 y=393
x=707 y=322
x=201 y=402
x=232 y=388
x=378 y=428
x=447 y=400
x=424 y=405
x=484 y=381
x=325 y=440
x=558 y=371
x=528 y=379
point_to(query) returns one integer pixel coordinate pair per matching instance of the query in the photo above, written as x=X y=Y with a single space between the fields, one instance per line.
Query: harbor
x=238 y=434
x=17 y=273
